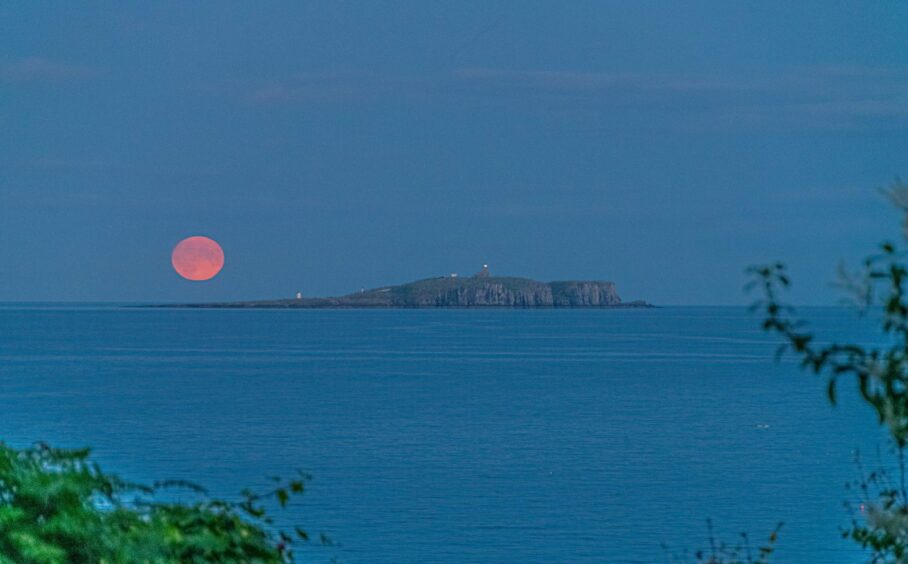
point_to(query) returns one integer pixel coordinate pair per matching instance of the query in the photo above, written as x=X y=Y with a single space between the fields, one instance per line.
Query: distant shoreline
x=255 y=305
x=482 y=291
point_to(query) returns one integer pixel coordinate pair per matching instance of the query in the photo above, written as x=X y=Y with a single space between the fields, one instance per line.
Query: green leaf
x=282 y=496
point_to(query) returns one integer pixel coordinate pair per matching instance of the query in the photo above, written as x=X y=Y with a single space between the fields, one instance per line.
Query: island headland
x=452 y=291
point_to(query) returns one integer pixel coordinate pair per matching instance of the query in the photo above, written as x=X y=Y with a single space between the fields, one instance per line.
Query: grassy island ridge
x=481 y=290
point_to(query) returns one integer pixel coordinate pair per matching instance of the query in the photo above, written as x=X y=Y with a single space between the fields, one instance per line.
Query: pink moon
x=197 y=258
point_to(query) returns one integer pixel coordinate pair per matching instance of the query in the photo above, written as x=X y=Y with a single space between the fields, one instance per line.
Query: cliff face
x=499 y=292
x=487 y=293
x=579 y=294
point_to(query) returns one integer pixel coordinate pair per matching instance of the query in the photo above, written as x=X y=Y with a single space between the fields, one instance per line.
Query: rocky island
x=480 y=290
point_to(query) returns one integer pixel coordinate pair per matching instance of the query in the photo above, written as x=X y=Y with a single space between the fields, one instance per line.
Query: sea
x=499 y=435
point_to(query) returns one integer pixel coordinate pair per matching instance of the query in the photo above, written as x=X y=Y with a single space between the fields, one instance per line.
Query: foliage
x=881 y=373
x=741 y=552
x=57 y=506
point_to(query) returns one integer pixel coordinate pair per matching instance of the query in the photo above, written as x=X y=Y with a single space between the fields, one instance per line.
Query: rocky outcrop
x=499 y=291
x=495 y=294
x=584 y=294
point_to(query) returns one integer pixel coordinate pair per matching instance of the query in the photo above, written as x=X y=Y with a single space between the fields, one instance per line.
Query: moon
x=197 y=258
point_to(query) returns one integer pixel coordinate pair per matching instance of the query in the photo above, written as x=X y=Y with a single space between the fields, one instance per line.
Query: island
x=452 y=291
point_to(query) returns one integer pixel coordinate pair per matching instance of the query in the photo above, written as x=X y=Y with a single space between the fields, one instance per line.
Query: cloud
x=279 y=93
x=831 y=98
x=561 y=80
x=807 y=98
x=811 y=98
x=602 y=82
x=39 y=69
x=333 y=87
x=56 y=164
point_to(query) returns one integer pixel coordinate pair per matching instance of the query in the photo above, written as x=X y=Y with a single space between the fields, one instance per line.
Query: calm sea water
x=458 y=436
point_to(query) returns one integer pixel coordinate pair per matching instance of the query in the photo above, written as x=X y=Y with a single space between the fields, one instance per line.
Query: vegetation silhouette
x=722 y=552
x=880 y=512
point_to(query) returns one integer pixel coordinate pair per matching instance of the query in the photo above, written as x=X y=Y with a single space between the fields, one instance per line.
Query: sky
x=330 y=146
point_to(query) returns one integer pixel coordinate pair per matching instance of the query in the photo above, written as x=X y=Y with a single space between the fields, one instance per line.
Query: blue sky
x=336 y=145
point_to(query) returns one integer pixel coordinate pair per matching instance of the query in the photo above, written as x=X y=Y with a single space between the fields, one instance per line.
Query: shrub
x=881 y=374
x=57 y=506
